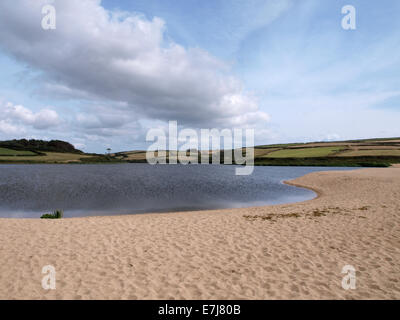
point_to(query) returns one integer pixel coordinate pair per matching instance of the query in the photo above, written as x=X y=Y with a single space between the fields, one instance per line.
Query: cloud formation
x=16 y=119
x=124 y=59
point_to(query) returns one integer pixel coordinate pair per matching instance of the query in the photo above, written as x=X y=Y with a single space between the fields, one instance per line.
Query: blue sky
x=114 y=69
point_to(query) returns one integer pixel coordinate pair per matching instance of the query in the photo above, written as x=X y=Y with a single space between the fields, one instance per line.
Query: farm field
x=367 y=152
x=50 y=157
x=304 y=152
x=10 y=152
x=370 y=152
x=376 y=152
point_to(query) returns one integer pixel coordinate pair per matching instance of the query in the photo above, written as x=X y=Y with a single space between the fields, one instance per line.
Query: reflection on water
x=83 y=190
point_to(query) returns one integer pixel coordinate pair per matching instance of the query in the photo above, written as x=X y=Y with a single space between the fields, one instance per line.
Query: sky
x=112 y=70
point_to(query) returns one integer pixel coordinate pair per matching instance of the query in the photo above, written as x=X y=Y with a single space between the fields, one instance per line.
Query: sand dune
x=292 y=251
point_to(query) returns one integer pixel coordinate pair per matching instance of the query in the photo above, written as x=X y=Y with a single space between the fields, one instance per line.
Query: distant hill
x=380 y=152
x=40 y=146
x=55 y=151
x=350 y=153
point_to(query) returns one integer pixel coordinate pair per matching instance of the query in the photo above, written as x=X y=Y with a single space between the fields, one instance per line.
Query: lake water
x=85 y=190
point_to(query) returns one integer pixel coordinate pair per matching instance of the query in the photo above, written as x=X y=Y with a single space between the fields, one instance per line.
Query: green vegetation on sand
x=57 y=214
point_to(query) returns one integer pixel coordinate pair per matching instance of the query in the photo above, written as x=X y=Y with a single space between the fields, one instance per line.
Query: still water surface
x=85 y=190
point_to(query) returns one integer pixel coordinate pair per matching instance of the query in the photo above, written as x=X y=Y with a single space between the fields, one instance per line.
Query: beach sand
x=294 y=251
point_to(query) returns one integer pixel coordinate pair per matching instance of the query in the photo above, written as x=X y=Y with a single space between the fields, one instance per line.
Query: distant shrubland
x=39 y=146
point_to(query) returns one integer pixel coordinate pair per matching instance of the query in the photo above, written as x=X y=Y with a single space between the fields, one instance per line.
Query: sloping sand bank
x=292 y=251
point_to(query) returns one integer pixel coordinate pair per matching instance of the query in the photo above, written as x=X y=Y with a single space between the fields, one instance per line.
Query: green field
x=50 y=157
x=304 y=152
x=33 y=151
x=351 y=153
x=363 y=153
x=10 y=152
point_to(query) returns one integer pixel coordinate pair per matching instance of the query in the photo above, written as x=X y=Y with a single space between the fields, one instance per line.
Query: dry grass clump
x=315 y=213
x=272 y=216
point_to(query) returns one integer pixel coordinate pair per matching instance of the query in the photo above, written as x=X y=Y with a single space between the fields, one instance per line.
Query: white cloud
x=16 y=118
x=123 y=58
x=8 y=128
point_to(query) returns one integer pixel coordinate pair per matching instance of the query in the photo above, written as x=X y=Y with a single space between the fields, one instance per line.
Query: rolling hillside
x=369 y=152
x=358 y=153
x=365 y=153
x=39 y=151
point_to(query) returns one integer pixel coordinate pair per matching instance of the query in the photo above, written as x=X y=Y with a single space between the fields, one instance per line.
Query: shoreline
x=286 y=251
x=318 y=192
x=287 y=182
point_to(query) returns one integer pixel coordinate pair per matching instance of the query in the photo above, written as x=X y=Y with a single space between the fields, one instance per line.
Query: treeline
x=40 y=145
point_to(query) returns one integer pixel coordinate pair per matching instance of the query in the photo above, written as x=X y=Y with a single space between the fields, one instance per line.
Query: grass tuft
x=57 y=214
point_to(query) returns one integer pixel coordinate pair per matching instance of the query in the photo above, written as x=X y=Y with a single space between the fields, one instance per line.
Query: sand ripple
x=277 y=252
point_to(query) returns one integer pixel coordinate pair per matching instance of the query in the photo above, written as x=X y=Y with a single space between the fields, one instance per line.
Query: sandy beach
x=294 y=251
